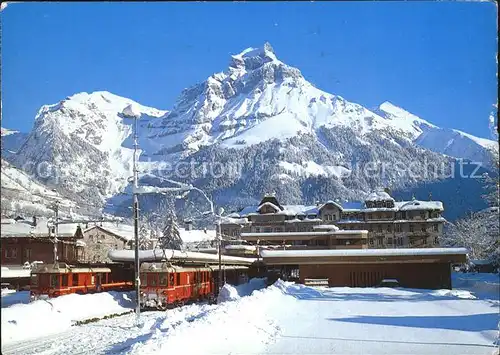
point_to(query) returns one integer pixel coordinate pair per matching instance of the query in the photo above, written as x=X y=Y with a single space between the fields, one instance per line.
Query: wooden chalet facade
x=26 y=241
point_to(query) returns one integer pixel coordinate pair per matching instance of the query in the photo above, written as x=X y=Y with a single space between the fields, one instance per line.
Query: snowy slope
x=25 y=195
x=87 y=141
x=447 y=141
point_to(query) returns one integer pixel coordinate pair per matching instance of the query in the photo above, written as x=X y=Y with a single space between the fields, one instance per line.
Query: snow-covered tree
x=144 y=234
x=478 y=232
x=171 y=236
x=492 y=181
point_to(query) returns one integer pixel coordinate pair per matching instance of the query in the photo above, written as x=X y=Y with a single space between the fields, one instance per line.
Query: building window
x=398 y=228
x=423 y=229
x=371 y=241
x=11 y=253
x=27 y=254
x=370 y=228
x=436 y=240
x=389 y=228
x=379 y=228
x=435 y=227
x=422 y=214
x=424 y=241
x=411 y=228
x=257 y=229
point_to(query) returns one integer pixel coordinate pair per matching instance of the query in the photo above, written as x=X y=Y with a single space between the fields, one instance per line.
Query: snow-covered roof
x=123 y=231
x=352 y=206
x=362 y=252
x=24 y=228
x=11 y=272
x=170 y=254
x=196 y=235
x=327 y=226
x=379 y=196
x=241 y=247
x=273 y=206
x=419 y=205
x=330 y=202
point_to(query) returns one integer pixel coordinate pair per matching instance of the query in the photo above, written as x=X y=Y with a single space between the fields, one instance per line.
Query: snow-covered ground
x=285 y=319
x=44 y=317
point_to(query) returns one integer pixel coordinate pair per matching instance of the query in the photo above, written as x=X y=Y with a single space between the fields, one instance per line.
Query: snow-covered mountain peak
x=253 y=58
x=402 y=118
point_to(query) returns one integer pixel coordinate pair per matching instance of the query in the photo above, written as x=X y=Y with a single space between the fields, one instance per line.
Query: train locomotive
x=163 y=285
x=52 y=280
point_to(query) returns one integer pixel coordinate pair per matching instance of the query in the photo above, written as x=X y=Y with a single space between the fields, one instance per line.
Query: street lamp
x=131 y=112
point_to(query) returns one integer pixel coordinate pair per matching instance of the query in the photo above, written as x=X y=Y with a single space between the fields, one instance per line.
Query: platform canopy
x=177 y=256
x=361 y=256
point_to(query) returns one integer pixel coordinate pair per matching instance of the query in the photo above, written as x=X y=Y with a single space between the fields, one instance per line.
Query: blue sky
x=435 y=59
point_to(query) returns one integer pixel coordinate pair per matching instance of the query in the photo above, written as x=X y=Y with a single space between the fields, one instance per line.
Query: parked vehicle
x=389 y=283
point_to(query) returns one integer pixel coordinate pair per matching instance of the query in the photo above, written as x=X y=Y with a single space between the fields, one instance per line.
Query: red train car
x=163 y=285
x=48 y=281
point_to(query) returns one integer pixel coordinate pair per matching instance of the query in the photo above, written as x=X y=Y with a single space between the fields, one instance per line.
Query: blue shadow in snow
x=468 y=323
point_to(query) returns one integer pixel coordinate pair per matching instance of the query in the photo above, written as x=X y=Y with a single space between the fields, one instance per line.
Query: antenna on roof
x=430 y=196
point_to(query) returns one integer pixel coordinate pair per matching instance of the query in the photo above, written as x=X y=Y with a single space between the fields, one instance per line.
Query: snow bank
x=233 y=293
x=44 y=317
x=240 y=327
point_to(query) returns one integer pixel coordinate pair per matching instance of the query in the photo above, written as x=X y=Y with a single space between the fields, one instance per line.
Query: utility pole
x=136 y=229
x=219 y=238
x=56 y=229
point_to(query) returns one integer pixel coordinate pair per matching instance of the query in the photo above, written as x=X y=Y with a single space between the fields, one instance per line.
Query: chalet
x=28 y=241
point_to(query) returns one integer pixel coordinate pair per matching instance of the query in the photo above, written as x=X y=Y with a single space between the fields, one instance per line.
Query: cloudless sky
x=435 y=59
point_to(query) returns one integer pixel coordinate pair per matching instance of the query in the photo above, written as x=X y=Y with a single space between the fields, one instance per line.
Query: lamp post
x=130 y=112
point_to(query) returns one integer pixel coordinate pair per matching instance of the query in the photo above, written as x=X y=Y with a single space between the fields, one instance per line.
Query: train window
x=143 y=279
x=75 y=280
x=34 y=279
x=152 y=279
x=178 y=278
x=64 y=280
x=163 y=279
x=54 y=281
x=172 y=279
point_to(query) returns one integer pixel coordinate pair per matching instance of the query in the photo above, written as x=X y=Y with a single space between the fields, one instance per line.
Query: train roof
x=167 y=267
x=177 y=256
x=62 y=268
